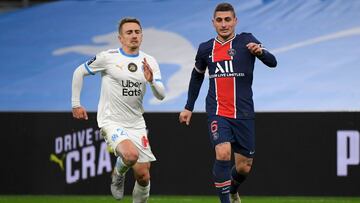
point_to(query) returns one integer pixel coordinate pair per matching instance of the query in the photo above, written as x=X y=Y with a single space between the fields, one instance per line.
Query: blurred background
x=307 y=109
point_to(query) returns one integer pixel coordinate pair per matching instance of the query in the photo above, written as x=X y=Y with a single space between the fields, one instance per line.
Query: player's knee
x=143 y=179
x=130 y=157
x=243 y=169
x=223 y=152
x=223 y=156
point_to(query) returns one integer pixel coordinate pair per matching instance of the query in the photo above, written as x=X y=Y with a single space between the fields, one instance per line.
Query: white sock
x=120 y=166
x=140 y=193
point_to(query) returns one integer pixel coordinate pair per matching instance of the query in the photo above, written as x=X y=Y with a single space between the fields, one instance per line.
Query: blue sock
x=236 y=180
x=221 y=173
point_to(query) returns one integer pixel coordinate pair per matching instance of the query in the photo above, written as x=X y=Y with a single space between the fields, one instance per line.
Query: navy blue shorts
x=239 y=132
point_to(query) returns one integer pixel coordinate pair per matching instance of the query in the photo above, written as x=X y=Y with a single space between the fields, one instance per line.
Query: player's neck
x=225 y=39
x=130 y=51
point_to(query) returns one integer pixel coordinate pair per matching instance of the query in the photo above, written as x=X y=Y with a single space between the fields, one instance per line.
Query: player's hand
x=80 y=113
x=147 y=71
x=185 y=116
x=255 y=49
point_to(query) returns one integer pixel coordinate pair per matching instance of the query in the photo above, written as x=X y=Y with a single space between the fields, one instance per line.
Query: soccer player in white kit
x=124 y=75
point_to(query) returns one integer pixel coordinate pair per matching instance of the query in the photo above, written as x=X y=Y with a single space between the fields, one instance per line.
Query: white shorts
x=114 y=134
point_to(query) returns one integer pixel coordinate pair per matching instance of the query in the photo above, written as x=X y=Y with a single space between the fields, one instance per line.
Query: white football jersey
x=123 y=86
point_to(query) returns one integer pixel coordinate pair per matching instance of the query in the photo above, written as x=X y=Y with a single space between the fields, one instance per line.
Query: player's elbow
x=273 y=64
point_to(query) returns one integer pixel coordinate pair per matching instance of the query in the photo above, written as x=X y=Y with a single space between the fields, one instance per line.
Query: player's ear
x=120 y=38
x=213 y=22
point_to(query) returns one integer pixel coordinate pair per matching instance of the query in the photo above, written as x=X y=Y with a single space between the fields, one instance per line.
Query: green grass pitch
x=170 y=199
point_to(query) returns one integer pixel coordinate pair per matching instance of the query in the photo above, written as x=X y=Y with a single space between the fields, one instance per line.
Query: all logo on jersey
x=231 y=52
x=228 y=68
x=132 y=67
x=225 y=69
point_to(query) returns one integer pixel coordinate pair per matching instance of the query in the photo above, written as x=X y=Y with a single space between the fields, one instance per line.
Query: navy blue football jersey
x=230 y=66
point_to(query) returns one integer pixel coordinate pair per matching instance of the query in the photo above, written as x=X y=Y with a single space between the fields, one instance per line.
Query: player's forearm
x=77 y=83
x=268 y=58
x=194 y=89
x=158 y=89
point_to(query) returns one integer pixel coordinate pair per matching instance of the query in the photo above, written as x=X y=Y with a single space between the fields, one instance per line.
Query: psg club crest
x=231 y=52
x=132 y=67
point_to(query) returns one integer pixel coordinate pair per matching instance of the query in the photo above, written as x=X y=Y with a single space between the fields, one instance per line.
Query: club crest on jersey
x=231 y=52
x=132 y=67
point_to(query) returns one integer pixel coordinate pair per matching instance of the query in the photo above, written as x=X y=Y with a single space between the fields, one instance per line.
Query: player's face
x=130 y=36
x=224 y=23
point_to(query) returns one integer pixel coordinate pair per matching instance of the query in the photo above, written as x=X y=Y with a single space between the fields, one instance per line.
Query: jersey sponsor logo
x=131 y=88
x=132 y=67
x=225 y=70
x=91 y=60
x=228 y=67
x=231 y=52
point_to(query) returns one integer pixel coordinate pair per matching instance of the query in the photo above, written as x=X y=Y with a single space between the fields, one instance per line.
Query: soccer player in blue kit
x=230 y=60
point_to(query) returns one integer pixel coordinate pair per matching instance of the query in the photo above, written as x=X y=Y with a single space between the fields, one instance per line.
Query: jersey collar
x=121 y=51
x=222 y=43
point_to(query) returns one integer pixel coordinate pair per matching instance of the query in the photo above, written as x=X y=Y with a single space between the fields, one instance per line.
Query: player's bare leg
x=238 y=175
x=141 y=191
x=128 y=157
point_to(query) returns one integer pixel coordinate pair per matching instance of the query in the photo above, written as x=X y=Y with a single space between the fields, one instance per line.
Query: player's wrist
x=262 y=54
x=189 y=108
x=75 y=104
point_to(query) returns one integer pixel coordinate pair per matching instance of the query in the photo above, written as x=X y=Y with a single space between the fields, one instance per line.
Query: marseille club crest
x=132 y=67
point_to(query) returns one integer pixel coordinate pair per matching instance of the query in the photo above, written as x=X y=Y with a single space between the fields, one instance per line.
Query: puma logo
x=60 y=162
